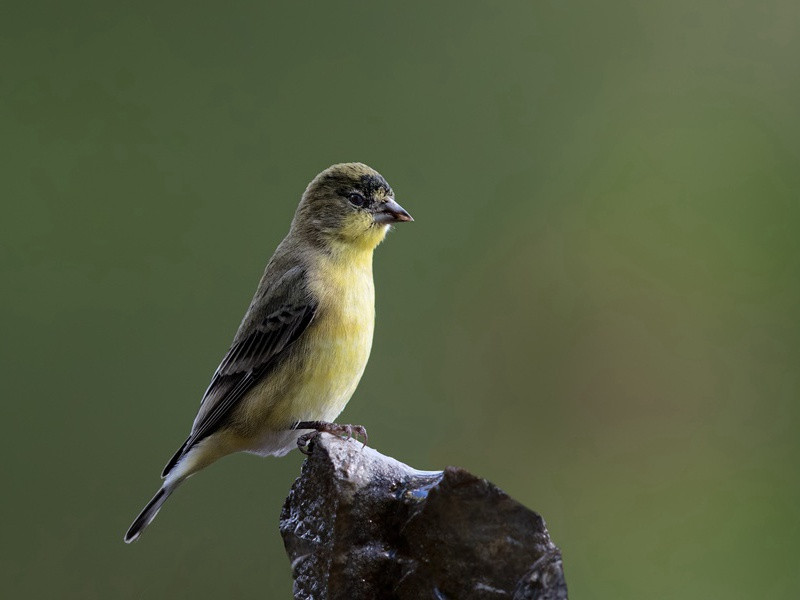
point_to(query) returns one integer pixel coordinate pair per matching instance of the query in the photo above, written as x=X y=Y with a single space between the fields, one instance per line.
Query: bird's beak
x=391 y=212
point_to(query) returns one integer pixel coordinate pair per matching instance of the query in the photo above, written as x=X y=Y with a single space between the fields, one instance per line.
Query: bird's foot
x=346 y=431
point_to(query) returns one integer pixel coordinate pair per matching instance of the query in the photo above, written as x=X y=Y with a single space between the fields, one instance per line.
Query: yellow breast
x=341 y=340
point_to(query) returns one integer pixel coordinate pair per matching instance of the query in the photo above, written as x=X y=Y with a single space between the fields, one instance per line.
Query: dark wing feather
x=247 y=362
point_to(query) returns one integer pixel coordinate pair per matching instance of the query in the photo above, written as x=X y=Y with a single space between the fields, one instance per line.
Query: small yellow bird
x=305 y=339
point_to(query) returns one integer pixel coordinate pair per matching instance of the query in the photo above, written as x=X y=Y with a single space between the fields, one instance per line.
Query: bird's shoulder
x=285 y=285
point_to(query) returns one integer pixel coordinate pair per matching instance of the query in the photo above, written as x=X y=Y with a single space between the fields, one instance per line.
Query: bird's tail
x=148 y=513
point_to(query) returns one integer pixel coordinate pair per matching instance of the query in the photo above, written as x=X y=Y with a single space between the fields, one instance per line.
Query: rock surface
x=360 y=525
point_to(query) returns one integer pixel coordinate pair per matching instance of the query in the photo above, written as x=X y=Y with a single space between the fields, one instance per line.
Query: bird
x=305 y=339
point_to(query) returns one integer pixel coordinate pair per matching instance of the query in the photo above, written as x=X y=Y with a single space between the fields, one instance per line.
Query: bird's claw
x=303 y=442
x=357 y=432
x=361 y=431
x=346 y=431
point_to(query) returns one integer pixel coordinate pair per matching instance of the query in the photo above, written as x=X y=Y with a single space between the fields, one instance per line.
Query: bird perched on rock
x=304 y=341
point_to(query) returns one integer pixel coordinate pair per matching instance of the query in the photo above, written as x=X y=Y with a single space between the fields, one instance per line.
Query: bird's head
x=349 y=204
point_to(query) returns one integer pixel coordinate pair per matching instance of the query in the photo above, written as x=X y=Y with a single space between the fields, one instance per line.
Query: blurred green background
x=597 y=308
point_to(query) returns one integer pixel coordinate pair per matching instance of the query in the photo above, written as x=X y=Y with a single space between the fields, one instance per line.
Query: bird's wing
x=282 y=314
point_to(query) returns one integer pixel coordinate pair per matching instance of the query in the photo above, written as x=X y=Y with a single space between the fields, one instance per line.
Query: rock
x=361 y=525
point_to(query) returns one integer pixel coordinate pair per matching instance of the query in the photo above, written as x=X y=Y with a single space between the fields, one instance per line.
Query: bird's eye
x=357 y=199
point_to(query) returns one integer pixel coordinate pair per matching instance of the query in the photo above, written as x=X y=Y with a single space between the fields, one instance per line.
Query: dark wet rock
x=360 y=525
x=544 y=581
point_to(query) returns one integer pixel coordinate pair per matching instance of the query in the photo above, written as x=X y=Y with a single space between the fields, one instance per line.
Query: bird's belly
x=313 y=384
x=335 y=362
